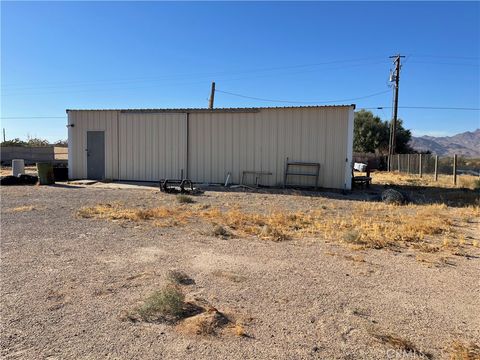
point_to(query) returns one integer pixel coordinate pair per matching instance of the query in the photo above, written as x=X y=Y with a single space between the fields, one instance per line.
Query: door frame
x=85 y=147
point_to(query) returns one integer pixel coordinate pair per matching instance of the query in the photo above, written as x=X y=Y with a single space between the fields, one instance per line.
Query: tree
x=14 y=142
x=371 y=134
x=403 y=137
x=37 y=142
x=61 y=143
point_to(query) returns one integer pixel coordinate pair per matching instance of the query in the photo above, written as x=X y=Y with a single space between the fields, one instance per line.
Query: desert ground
x=128 y=272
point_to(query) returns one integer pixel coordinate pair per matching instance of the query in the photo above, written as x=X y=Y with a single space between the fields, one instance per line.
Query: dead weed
x=24 y=208
x=464 y=351
x=362 y=225
x=401 y=344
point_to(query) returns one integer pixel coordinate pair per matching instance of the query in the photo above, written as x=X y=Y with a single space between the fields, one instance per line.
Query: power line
x=447 y=57
x=32 y=117
x=444 y=63
x=423 y=108
x=365 y=108
x=124 y=85
x=190 y=75
x=301 y=102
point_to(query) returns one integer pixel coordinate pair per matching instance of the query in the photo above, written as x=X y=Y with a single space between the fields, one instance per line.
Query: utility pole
x=393 y=124
x=212 y=96
x=3 y=134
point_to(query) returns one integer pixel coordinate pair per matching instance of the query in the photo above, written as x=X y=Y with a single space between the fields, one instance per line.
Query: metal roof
x=237 y=109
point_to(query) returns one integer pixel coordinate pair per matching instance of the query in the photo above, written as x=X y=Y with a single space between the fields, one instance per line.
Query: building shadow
x=420 y=195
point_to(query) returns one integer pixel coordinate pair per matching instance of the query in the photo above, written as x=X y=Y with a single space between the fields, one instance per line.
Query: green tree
x=37 y=142
x=371 y=134
x=14 y=142
x=403 y=137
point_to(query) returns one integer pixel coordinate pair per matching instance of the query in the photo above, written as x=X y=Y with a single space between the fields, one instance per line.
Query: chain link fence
x=433 y=165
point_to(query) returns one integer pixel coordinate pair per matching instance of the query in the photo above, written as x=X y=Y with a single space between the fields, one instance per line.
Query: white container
x=360 y=167
x=18 y=167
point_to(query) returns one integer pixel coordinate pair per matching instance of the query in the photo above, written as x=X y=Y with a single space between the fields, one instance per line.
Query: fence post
x=436 y=167
x=455 y=169
x=398 y=162
x=420 y=165
x=408 y=163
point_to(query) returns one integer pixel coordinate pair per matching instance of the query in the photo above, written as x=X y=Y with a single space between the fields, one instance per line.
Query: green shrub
x=165 y=304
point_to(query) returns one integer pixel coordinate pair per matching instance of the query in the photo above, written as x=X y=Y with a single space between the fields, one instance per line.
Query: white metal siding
x=220 y=143
x=82 y=122
x=152 y=146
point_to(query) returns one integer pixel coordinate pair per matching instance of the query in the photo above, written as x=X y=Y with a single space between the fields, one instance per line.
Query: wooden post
x=455 y=169
x=436 y=167
x=408 y=163
x=398 y=162
x=212 y=96
x=420 y=165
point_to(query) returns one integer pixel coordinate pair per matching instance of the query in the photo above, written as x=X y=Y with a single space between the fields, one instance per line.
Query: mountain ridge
x=465 y=144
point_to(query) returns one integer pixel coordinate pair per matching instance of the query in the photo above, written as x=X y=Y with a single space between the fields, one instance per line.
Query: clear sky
x=59 y=55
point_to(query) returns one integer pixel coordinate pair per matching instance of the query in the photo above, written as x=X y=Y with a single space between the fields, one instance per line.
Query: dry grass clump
x=185 y=199
x=464 y=351
x=179 y=277
x=444 y=181
x=163 y=216
x=403 y=345
x=221 y=232
x=273 y=226
x=361 y=225
x=24 y=208
x=209 y=322
x=167 y=304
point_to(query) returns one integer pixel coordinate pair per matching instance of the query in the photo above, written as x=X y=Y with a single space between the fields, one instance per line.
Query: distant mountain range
x=465 y=144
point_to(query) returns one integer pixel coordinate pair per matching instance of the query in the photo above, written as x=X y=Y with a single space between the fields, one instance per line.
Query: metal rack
x=290 y=172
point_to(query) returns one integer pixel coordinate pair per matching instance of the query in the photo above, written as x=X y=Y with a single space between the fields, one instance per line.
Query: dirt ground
x=68 y=281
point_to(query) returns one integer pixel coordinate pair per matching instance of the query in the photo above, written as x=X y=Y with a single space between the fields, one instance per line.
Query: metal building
x=252 y=145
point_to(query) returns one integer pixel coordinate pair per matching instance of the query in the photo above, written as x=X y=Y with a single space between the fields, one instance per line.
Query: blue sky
x=59 y=55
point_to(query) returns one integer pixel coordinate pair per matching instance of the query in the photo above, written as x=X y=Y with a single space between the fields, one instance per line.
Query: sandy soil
x=66 y=281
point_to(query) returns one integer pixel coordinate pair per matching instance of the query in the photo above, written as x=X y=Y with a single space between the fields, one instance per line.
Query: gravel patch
x=66 y=281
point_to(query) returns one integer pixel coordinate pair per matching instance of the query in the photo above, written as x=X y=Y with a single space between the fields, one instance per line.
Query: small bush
x=166 y=304
x=179 y=277
x=220 y=231
x=351 y=236
x=185 y=199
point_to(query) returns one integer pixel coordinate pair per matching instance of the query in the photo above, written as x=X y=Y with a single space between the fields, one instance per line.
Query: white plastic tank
x=18 y=167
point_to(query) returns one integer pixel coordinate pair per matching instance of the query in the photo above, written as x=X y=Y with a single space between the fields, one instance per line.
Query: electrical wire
x=423 y=108
x=301 y=102
x=365 y=108
x=32 y=117
x=188 y=76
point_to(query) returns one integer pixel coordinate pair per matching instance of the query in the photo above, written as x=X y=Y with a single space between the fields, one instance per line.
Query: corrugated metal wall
x=84 y=121
x=220 y=143
x=150 y=146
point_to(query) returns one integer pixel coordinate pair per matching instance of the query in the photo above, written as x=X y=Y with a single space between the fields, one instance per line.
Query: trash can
x=18 y=167
x=60 y=173
x=45 y=173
